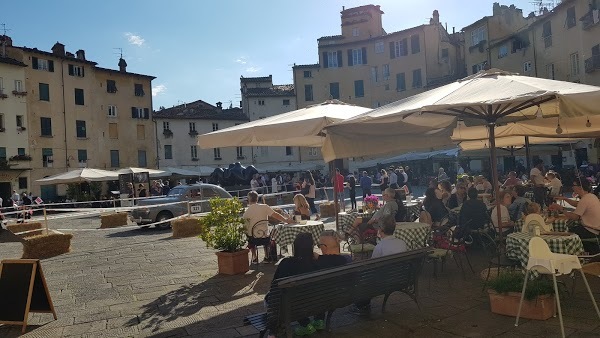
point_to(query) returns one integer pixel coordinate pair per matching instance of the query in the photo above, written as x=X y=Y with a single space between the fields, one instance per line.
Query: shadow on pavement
x=134 y=232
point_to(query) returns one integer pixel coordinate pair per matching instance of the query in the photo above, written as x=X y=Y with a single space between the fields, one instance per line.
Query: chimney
x=58 y=49
x=219 y=105
x=80 y=54
x=436 y=16
x=122 y=65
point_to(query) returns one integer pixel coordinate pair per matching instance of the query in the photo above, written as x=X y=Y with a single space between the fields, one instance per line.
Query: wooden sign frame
x=36 y=275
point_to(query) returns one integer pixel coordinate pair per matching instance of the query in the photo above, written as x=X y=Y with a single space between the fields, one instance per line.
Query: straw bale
x=327 y=209
x=288 y=198
x=271 y=200
x=20 y=227
x=46 y=246
x=186 y=227
x=113 y=220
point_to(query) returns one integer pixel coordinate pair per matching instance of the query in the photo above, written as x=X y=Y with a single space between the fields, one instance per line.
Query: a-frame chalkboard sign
x=23 y=289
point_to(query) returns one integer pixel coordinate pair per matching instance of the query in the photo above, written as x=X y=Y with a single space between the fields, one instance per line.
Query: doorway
x=5 y=193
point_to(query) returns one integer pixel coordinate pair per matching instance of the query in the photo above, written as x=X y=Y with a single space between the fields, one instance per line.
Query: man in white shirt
x=254 y=183
x=537 y=178
x=393 y=178
x=587 y=210
x=554 y=184
x=16 y=197
x=257 y=225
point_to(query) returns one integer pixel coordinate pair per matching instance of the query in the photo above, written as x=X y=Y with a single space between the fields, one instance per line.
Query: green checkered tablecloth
x=285 y=234
x=559 y=224
x=414 y=209
x=414 y=234
x=347 y=219
x=517 y=245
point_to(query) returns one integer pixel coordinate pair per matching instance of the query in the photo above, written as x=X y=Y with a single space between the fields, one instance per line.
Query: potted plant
x=223 y=229
x=505 y=294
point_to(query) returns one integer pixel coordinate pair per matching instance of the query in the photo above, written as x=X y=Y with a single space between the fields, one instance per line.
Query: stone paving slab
x=133 y=282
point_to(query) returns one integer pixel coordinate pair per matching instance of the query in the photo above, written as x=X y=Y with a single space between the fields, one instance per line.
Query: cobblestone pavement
x=131 y=282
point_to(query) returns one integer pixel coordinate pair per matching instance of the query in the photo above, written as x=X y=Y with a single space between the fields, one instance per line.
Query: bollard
x=46 y=220
x=189 y=208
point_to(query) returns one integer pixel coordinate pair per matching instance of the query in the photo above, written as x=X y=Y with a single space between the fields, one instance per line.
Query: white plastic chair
x=535 y=220
x=544 y=261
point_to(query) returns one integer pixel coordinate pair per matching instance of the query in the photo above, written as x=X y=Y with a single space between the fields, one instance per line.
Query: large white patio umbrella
x=298 y=128
x=80 y=176
x=486 y=98
x=154 y=173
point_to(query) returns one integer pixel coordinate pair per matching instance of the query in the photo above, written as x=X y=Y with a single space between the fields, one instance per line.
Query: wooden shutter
x=392 y=51
x=113 y=131
x=71 y=71
x=51 y=66
x=404 y=43
x=400 y=82
x=146 y=113
x=34 y=62
x=364 y=55
x=82 y=71
x=325 y=60
x=134 y=113
x=350 y=57
x=340 y=58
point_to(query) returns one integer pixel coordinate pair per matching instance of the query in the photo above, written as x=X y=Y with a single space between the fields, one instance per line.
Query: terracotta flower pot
x=540 y=308
x=233 y=263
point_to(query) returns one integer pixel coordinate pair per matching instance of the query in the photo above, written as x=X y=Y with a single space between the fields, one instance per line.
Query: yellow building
x=368 y=67
x=81 y=115
x=15 y=159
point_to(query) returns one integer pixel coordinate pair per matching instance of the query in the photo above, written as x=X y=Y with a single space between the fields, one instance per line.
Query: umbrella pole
x=527 y=154
x=494 y=167
x=335 y=195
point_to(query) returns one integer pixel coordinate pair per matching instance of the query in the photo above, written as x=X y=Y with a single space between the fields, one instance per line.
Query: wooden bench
x=297 y=297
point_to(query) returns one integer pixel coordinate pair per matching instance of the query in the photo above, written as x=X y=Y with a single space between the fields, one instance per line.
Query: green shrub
x=513 y=282
x=223 y=227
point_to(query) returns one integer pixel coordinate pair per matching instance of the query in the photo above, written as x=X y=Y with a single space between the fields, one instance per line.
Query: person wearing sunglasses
x=587 y=211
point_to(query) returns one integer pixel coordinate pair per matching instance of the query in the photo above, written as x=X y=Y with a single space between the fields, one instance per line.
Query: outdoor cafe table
x=285 y=234
x=414 y=208
x=558 y=224
x=347 y=219
x=414 y=234
x=517 y=245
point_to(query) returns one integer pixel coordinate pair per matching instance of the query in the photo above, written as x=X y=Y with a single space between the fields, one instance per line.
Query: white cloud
x=135 y=39
x=253 y=69
x=241 y=60
x=159 y=89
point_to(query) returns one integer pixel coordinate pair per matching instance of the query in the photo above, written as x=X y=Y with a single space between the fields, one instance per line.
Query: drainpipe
x=157 y=143
x=62 y=79
x=535 y=71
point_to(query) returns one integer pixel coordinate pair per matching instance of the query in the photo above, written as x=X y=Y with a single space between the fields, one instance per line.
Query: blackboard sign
x=23 y=289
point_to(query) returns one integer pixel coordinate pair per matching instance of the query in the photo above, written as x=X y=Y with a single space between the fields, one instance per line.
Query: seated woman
x=434 y=206
x=512 y=180
x=389 y=209
x=446 y=188
x=459 y=197
x=301 y=207
x=507 y=224
x=473 y=213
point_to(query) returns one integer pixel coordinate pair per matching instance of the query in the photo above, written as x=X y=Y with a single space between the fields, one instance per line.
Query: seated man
x=257 y=225
x=389 y=209
x=517 y=208
x=388 y=245
x=329 y=243
x=554 y=184
x=473 y=213
x=587 y=210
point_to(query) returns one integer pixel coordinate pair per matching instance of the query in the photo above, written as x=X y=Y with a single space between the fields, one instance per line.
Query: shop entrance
x=5 y=193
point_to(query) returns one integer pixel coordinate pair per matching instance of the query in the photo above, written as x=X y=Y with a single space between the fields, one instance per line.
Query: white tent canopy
x=515 y=141
x=300 y=128
x=80 y=175
x=154 y=173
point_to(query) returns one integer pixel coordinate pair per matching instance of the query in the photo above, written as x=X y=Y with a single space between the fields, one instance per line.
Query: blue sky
x=199 y=49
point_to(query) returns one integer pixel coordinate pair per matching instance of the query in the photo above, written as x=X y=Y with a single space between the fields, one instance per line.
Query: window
x=239 y=152
x=76 y=70
x=417 y=81
x=140 y=113
x=445 y=53
x=547 y=34
x=20 y=123
x=379 y=47
x=478 y=35
x=141 y=132
x=286 y=102
x=112 y=111
x=217 y=153
x=288 y=151
x=355 y=31
x=359 y=88
x=22 y=182
x=82 y=156
x=374 y=75
x=21 y=151
x=386 y=72
x=142 y=163
x=307 y=73
x=574 y=61
x=215 y=126
x=165 y=125
x=357 y=56
x=415 y=44
x=550 y=71
x=114 y=158
x=168 y=152
x=571 y=21
x=3 y=153
x=332 y=59
x=19 y=86
x=80 y=129
x=44 y=92
x=400 y=82
x=46 y=124
x=111 y=86
x=308 y=93
x=79 y=97
x=312 y=151
x=334 y=90
x=261 y=102
x=527 y=66
x=194 y=151
x=138 y=89
x=518 y=44
x=47 y=159
x=42 y=64
x=479 y=67
x=399 y=48
x=502 y=51
x=2 y=127
x=113 y=131
x=192 y=126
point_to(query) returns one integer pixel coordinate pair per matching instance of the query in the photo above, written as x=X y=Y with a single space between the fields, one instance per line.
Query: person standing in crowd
x=385 y=180
x=274 y=188
x=309 y=185
x=142 y=191
x=338 y=185
x=536 y=176
x=352 y=191
x=460 y=170
x=405 y=177
x=254 y=183
x=401 y=180
x=166 y=188
x=393 y=178
x=365 y=184
x=15 y=197
x=442 y=176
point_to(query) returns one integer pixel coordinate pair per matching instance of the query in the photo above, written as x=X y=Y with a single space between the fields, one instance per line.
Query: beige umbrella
x=153 y=173
x=514 y=141
x=300 y=128
x=80 y=175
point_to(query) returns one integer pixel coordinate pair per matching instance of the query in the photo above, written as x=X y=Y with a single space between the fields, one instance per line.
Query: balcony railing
x=593 y=63
x=590 y=19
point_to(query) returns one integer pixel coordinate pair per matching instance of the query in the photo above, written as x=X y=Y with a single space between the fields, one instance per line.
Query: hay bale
x=327 y=209
x=113 y=220
x=20 y=227
x=288 y=198
x=186 y=227
x=46 y=245
x=270 y=200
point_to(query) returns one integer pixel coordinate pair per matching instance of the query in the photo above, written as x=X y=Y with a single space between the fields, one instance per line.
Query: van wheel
x=163 y=215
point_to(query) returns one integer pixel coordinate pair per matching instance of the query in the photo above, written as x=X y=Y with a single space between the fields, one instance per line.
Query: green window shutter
x=340 y=58
x=71 y=71
x=392 y=51
x=134 y=112
x=400 y=82
x=146 y=113
x=350 y=58
x=34 y=62
x=51 y=66
x=325 y=60
x=82 y=71
x=364 y=55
